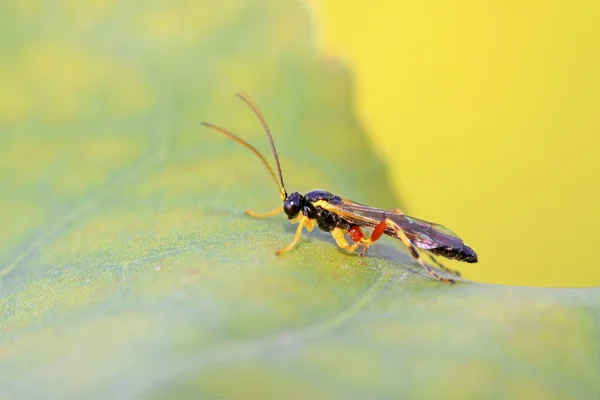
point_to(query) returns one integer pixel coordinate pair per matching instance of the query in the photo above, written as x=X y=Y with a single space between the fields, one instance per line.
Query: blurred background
x=488 y=117
x=127 y=265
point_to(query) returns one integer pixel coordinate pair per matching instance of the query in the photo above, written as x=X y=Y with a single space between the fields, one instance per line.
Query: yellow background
x=488 y=116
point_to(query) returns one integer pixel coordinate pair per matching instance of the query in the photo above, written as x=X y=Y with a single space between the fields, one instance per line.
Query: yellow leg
x=397 y=211
x=413 y=251
x=302 y=222
x=269 y=214
x=375 y=236
x=339 y=236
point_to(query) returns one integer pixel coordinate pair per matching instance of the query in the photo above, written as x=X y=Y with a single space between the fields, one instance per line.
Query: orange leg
x=357 y=236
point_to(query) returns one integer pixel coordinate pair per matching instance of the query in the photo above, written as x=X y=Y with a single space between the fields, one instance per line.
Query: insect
x=342 y=217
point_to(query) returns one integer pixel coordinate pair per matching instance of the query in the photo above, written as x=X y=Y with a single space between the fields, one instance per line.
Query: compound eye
x=291 y=206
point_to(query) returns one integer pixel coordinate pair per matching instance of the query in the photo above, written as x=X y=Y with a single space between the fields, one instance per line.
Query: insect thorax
x=326 y=220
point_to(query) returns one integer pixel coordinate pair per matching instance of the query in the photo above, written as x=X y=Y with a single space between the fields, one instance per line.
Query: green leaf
x=129 y=268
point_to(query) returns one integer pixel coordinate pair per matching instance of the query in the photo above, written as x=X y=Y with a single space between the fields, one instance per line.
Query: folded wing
x=425 y=235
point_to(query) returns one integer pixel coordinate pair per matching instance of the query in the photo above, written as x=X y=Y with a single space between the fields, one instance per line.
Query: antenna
x=281 y=186
x=254 y=108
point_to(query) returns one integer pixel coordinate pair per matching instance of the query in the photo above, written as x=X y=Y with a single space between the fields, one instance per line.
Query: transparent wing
x=423 y=234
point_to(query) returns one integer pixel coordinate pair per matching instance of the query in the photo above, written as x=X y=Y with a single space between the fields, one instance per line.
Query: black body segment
x=316 y=195
x=465 y=253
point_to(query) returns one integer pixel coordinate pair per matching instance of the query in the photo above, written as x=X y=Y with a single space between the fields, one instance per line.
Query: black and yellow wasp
x=343 y=217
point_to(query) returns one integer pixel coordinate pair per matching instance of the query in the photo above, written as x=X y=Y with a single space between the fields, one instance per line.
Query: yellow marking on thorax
x=321 y=203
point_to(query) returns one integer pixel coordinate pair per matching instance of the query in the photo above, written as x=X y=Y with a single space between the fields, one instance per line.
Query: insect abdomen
x=465 y=253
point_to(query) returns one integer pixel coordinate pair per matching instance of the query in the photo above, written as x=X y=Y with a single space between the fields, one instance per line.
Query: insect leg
x=413 y=251
x=339 y=236
x=268 y=214
x=397 y=211
x=303 y=222
x=442 y=266
x=377 y=232
x=356 y=234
